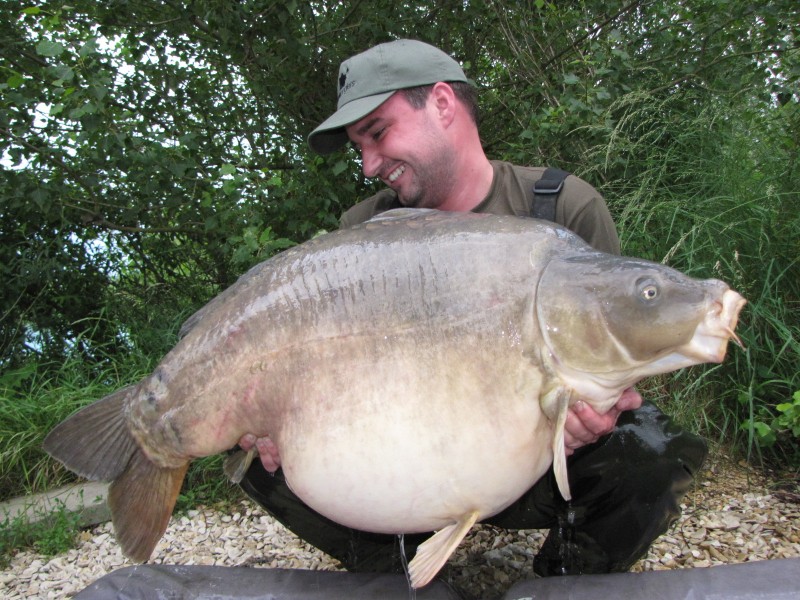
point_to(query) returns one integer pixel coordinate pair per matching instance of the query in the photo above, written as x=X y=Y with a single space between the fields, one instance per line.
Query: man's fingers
x=589 y=424
x=579 y=427
x=584 y=426
x=247 y=441
x=630 y=400
x=267 y=450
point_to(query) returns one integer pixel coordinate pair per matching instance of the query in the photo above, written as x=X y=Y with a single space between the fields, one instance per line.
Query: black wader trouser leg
x=626 y=490
x=358 y=551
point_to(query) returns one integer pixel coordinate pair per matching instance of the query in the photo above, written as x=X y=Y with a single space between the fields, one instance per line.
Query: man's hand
x=584 y=426
x=267 y=450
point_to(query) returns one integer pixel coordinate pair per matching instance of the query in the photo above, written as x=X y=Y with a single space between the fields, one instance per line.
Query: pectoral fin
x=555 y=406
x=434 y=552
x=236 y=464
x=559 y=452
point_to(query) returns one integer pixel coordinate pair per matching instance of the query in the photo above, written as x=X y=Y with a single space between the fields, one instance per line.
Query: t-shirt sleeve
x=585 y=212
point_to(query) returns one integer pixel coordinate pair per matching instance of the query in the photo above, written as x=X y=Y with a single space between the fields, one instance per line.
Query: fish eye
x=648 y=291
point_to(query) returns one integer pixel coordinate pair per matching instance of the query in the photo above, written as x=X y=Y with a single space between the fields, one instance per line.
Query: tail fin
x=94 y=442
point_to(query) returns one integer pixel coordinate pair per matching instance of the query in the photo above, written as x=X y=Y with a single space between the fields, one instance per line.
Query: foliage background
x=152 y=151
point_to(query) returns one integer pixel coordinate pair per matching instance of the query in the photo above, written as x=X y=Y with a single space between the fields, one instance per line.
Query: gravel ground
x=731 y=516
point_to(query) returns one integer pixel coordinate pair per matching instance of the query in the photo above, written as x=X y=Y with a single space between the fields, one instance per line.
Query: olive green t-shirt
x=579 y=207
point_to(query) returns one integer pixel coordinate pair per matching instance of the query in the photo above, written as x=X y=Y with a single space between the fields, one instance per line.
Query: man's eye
x=378 y=134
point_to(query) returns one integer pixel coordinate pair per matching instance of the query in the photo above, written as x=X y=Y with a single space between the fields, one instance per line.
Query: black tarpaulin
x=244 y=583
x=765 y=580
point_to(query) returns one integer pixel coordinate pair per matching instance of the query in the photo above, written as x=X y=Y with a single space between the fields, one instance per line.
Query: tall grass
x=36 y=397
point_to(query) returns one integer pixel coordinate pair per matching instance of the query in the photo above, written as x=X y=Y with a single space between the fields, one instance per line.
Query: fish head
x=608 y=322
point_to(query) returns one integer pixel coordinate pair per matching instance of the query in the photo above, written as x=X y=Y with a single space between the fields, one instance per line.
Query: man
x=412 y=114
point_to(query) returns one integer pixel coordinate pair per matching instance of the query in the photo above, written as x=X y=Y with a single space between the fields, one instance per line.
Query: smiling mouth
x=392 y=177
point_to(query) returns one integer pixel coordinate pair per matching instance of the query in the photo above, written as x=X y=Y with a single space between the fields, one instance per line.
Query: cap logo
x=343 y=85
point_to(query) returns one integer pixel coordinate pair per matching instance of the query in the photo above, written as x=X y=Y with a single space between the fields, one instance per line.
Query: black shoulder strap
x=545 y=194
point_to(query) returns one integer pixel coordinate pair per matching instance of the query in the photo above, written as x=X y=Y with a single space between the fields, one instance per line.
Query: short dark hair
x=465 y=93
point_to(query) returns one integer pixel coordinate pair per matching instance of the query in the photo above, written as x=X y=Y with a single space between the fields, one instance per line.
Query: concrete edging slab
x=85 y=500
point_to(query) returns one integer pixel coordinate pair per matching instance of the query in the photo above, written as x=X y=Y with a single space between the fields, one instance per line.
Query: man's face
x=408 y=150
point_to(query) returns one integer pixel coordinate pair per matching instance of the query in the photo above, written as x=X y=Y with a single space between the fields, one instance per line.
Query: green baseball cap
x=368 y=79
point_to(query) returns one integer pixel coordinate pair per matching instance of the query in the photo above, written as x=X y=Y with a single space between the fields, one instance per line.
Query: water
x=566 y=531
x=412 y=593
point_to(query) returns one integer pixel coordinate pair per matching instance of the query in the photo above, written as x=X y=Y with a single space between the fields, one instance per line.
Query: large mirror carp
x=414 y=372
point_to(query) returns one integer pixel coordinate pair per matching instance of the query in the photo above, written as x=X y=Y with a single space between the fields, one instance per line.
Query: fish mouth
x=710 y=340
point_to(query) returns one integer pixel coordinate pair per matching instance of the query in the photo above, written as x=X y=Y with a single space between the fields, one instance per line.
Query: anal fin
x=141 y=501
x=434 y=552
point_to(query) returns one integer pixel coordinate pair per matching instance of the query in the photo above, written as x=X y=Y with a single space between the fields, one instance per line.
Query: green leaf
x=15 y=81
x=89 y=47
x=48 y=48
x=227 y=169
x=229 y=186
x=99 y=91
x=764 y=433
x=265 y=236
x=64 y=73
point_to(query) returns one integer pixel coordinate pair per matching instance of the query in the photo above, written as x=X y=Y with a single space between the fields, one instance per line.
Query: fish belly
x=415 y=441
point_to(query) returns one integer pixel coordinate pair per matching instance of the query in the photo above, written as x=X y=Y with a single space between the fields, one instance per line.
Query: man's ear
x=444 y=102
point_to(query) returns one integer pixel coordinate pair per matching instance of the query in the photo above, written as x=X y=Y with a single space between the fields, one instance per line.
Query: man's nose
x=370 y=162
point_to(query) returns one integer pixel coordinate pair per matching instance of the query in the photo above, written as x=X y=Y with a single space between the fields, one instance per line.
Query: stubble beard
x=432 y=181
